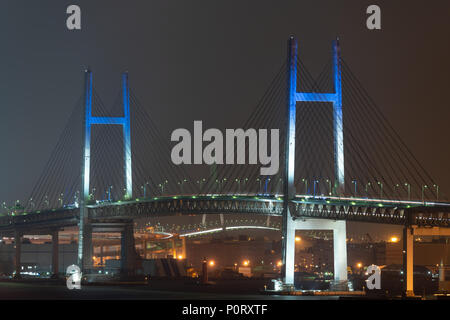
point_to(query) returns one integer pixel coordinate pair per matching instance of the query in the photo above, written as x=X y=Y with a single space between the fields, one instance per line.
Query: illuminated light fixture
x=298 y=239
x=393 y=239
x=246 y=263
x=211 y=263
x=359 y=264
x=180 y=257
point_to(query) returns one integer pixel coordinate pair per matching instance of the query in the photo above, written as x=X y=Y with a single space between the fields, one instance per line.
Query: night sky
x=211 y=60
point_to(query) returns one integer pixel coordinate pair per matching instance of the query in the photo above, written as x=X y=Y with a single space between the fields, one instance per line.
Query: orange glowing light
x=393 y=239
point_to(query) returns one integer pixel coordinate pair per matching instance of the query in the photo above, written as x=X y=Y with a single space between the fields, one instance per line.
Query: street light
x=355 y=183
x=315 y=181
x=259 y=180
x=409 y=190
x=381 y=189
x=245 y=181
x=61 y=197
x=395 y=188
x=109 y=192
x=437 y=191
x=367 y=189
x=239 y=184
x=31 y=204
x=423 y=188
x=306 y=185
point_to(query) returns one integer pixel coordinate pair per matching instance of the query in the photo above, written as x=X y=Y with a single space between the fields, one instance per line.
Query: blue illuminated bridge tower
x=290 y=225
x=85 y=228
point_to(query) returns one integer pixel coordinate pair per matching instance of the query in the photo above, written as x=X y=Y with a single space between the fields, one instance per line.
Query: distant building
x=37 y=258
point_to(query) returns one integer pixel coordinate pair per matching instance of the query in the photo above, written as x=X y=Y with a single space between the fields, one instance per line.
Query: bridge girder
x=438 y=216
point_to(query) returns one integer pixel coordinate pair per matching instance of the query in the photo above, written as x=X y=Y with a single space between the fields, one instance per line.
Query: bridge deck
x=398 y=212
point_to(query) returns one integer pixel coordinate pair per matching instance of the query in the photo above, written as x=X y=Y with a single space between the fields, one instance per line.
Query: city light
x=393 y=239
x=359 y=265
x=298 y=239
x=211 y=263
x=180 y=257
x=246 y=263
x=279 y=263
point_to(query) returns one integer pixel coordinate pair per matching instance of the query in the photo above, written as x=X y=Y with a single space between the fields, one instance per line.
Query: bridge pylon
x=85 y=236
x=290 y=224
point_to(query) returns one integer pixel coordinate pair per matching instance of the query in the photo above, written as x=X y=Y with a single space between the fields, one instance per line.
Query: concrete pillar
x=222 y=221
x=340 y=250
x=144 y=249
x=204 y=219
x=204 y=271
x=174 y=249
x=127 y=251
x=55 y=251
x=408 y=261
x=441 y=271
x=18 y=243
x=183 y=247
x=87 y=249
x=290 y=252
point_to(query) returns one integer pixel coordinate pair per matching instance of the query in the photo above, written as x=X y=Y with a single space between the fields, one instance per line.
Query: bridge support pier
x=183 y=247
x=127 y=251
x=18 y=242
x=55 y=256
x=87 y=249
x=174 y=248
x=408 y=252
x=408 y=261
x=339 y=247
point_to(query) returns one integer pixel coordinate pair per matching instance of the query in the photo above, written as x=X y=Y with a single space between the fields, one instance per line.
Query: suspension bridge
x=341 y=160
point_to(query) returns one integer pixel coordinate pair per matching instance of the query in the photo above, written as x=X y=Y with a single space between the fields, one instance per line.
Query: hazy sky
x=211 y=60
